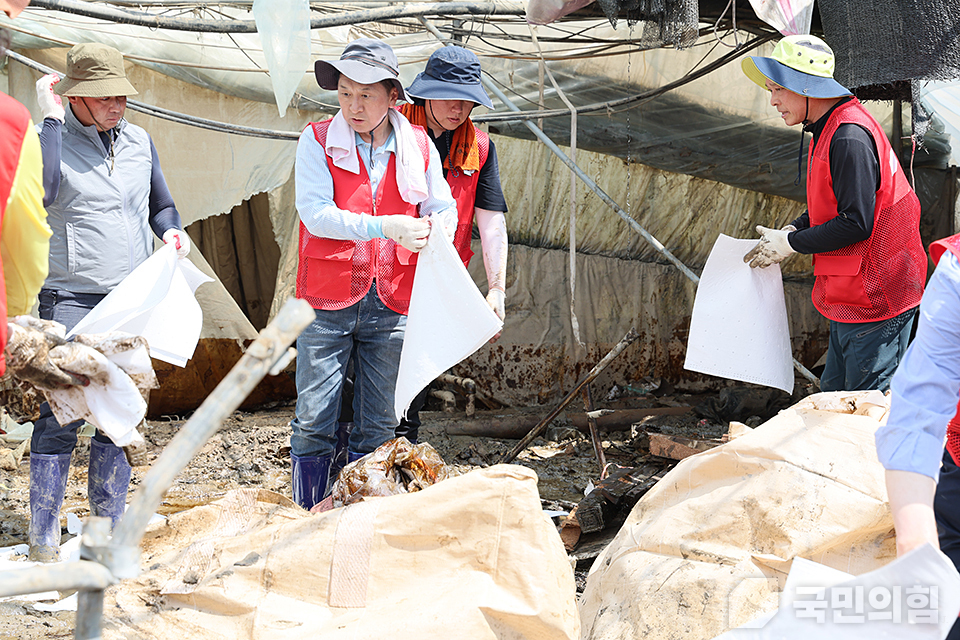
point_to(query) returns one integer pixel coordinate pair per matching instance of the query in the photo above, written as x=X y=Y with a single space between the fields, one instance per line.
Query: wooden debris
x=570 y=531
x=616 y=494
x=678 y=447
x=614 y=419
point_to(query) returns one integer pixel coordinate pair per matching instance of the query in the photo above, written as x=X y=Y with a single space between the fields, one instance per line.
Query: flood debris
x=678 y=447
x=607 y=506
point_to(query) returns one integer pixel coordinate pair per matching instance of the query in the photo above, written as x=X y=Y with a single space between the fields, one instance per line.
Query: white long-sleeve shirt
x=323 y=218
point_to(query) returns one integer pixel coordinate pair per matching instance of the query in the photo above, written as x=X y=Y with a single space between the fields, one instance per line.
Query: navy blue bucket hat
x=452 y=73
x=366 y=61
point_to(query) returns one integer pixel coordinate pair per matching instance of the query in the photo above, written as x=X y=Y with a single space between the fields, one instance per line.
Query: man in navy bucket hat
x=862 y=223
x=369 y=185
x=443 y=96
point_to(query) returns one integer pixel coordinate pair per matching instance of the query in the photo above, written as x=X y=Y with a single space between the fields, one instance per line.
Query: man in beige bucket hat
x=105 y=197
x=862 y=223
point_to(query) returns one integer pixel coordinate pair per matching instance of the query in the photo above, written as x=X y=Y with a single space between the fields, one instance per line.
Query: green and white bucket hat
x=802 y=64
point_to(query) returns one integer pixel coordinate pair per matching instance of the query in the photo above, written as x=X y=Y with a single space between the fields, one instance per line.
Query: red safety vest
x=937 y=249
x=882 y=276
x=464 y=190
x=334 y=274
x=14 y=122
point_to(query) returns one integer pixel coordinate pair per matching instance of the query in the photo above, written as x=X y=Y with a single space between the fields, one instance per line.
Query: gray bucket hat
x=452 y=73
x=364 y=60
x=94 y=71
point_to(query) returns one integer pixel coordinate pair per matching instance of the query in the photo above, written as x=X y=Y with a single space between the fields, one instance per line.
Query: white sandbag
x=708 y=547
x=470 y=557
x=448 y=319
x=156 y=301
x=739 y=328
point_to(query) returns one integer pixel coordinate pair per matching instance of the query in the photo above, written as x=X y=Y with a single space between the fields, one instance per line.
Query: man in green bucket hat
x=862 y=223
x=105 y=197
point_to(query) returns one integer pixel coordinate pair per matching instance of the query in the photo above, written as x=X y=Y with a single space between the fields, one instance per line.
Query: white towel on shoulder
x=411 y=169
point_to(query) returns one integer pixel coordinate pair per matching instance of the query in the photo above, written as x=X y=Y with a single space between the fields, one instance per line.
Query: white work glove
x=51 y=106
x=495 y=298
x=409 y=232
x=179 y=239
x=773 y=247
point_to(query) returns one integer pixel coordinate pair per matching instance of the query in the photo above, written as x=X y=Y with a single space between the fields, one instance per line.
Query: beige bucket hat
x=94 y=71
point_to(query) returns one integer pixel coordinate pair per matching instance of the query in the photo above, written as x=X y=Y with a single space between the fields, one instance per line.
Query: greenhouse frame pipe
x=143 y=19
x=265 y=355
x=65 y=576
x=593 y=186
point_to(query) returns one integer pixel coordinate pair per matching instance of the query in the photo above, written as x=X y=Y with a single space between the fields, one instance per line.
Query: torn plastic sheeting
x=789 y=17
x=827 y=604
x=155 y=301
x=284 y=30
x=546 y=11
x=739 y=327
x=448 y=319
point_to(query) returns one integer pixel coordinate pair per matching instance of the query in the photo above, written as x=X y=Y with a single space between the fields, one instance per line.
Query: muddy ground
x=251 y=449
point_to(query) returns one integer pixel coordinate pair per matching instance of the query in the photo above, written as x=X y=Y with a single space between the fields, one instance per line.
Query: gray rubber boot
x=107 y=481
x=48 y=483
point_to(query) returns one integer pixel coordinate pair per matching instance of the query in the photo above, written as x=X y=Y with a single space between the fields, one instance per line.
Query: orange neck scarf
x=464 y=151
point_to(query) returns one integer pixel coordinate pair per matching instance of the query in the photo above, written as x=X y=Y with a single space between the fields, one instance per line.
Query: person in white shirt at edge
x=369 y=186
x=923 y=476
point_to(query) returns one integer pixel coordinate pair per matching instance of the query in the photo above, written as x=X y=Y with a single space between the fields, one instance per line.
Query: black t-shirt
x=855 y=170
x=489 y=192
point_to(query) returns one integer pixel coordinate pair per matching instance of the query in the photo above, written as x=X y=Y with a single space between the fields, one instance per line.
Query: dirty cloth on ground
x=739 y=328
x=471 y=557
x=155 y=301
x=448 y=319
x=717 y=533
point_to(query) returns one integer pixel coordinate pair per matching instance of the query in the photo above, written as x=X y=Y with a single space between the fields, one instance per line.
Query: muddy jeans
x=864 y=355
x=68 y=309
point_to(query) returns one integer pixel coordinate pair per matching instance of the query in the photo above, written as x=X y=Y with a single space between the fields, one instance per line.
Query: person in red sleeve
x=863 y=219
x=24 y=233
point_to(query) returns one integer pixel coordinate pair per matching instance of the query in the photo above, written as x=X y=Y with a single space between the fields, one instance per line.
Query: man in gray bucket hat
x=105 y=197
x=369 y=186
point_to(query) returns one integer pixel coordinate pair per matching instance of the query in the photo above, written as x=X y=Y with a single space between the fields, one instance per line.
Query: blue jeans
x=374 y=334
x=864 y=355
x=68 y=309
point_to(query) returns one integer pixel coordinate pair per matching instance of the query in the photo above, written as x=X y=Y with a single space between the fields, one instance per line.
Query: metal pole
x=607 y=359
x=55 y=577
x=266 y=354
x=656 y=244
x=96 y=536
x=594 y=431
x=391 y=12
